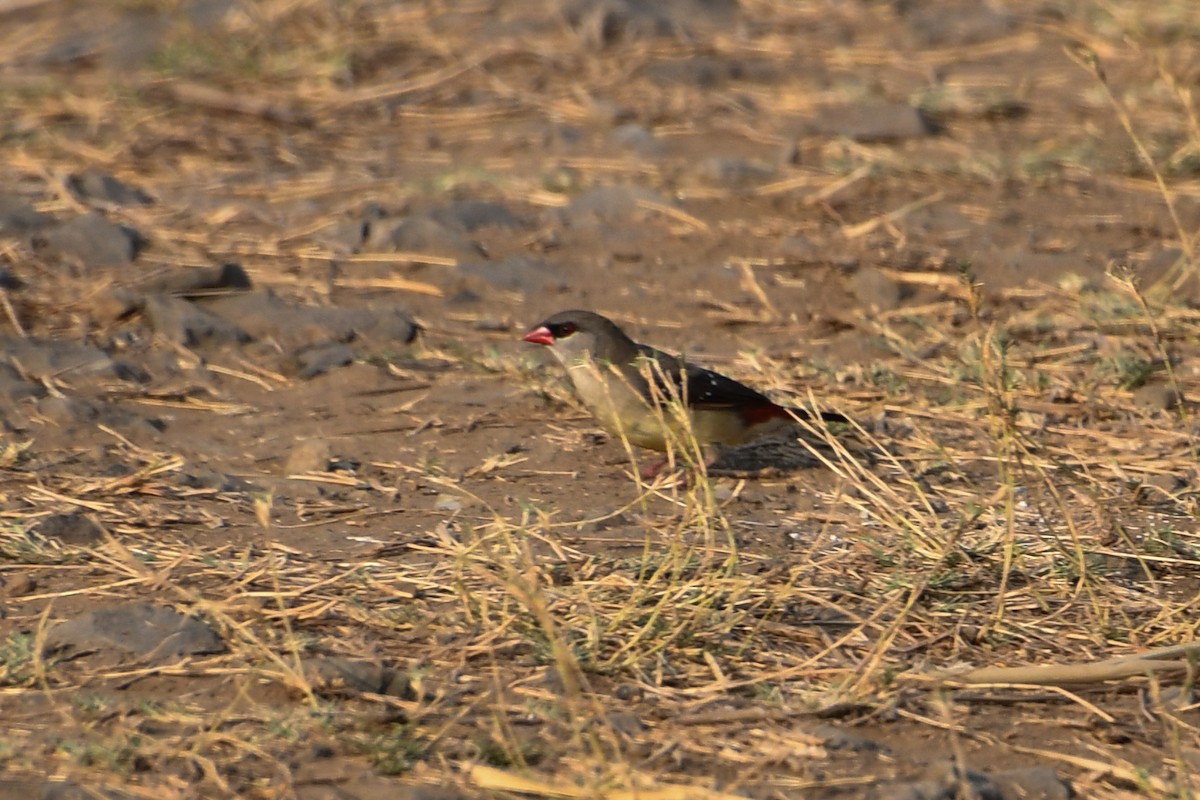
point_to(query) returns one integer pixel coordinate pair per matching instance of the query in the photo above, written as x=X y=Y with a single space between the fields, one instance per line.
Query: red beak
x=539 y=335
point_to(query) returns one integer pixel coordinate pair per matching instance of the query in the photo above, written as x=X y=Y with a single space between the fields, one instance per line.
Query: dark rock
x=346 y=235
x=517 y=273
x=612 y=204
x=421 y=234
x=471 y=215
x=58 y=790
x=138 y=35
x=67 y=411
x=637 y=138
x=263 y=314
x=40 y=358
x=320 y=750
x=1157 y=397
x=72 y=48
x=309 y=362
x=9 y=279
x=601 y=23
x=14 y=387
x=464 y=296
x=732 y=172
x=308 y=455
x=876 y=290
x=1158 y=486
x=705 y=72
x=387 y=324
x=698 y=71
x=129 y=371
x=625 y=723
x=1036 y=783
x=72 y=412
x=872 y=122
x=933 y=24
x=839 y=739
x=115 y=303
x=981 y=788
x=372 y=211
x=1161 y=263
x=94 y=184
x=91 y=240
x=19 y=585
x=195 y=280
x=451 y=503
x=342 y=676
x=801 y=250
x=1033 y=783
x=943 y=102
x=189 y=325
x=144 y=630
x=1012 y=266
x=72 y=528
x=202 y=477
x=18 y=217
x=349 y=235
x=630 y=692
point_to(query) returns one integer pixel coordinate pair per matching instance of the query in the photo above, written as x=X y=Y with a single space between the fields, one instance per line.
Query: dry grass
x=1023 y=511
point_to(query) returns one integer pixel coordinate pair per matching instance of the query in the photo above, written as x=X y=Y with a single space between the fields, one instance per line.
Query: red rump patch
x=756 y=415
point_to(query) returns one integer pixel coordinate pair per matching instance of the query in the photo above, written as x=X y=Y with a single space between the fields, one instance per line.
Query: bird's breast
x=618 y=407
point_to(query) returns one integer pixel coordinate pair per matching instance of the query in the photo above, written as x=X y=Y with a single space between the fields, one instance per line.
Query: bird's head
x=576 y=335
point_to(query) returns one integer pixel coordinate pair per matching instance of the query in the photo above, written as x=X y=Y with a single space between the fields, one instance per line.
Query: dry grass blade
x=428 y=566
x=1178 y=658
x=499 y=780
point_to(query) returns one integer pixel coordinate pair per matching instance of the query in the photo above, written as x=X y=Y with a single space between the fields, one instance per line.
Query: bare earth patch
x=290 y=511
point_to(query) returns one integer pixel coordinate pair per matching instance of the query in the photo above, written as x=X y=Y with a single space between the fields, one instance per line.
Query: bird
x=636 y=391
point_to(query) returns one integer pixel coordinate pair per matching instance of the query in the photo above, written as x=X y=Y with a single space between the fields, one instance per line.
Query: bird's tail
x=823 y=416
x=765 y=413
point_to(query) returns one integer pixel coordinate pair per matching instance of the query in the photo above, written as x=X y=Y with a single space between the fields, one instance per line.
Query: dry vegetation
x=1009 y=579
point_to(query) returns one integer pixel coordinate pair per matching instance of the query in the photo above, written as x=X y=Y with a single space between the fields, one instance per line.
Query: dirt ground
x=291 y=511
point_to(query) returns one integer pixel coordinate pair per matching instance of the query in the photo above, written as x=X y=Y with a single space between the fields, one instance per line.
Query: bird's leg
x=651 y=471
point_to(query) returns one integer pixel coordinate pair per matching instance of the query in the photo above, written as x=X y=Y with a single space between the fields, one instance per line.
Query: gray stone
x=144 y=630
x=72 y=528
x=18 y=217
x=90 y=240
x=346 y=676
x=191 y=281
x=471 y=215
x=309 y=362
x=421 y=234
x=872 y=122
x=876 y=290
x=42 y=358
x=308 y=455
x=94 y=184
x=516 y=273
x=189 y=325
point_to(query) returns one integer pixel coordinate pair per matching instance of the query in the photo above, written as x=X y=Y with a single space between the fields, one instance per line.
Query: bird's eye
x=564 y=329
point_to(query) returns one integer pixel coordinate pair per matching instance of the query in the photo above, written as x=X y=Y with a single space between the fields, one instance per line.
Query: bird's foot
x=649 y=472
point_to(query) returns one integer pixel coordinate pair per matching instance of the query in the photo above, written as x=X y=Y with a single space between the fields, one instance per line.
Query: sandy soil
x=417 y=567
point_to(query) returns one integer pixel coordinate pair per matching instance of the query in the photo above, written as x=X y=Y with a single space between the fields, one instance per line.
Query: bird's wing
x=700 y=387
x=704 y=389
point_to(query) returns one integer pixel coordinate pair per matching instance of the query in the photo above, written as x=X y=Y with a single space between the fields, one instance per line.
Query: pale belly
x=624 y=414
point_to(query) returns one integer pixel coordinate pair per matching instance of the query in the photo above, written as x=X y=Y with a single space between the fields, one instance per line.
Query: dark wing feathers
x=703 y=388
x=707 y=389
